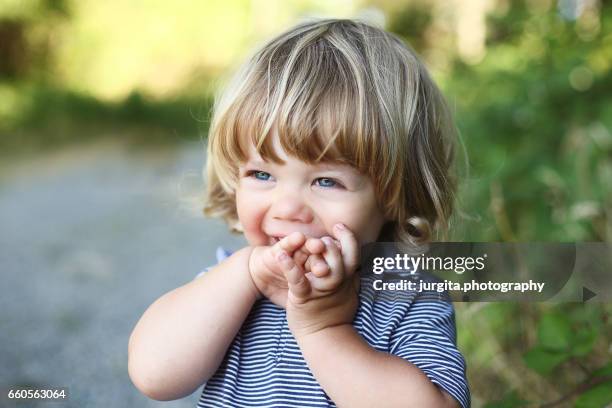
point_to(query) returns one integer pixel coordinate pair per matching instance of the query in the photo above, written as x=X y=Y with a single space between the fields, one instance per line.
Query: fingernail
x=327 y=240
x=340 y=227
x=283 y=256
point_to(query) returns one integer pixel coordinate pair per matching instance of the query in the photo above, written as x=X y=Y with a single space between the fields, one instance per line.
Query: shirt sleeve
x=426 y=337
x=220 y=254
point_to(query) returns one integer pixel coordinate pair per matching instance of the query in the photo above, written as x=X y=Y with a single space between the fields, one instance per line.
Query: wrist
x=325 y=314
x=254 y=262
x=311 y=322
x=318 y=335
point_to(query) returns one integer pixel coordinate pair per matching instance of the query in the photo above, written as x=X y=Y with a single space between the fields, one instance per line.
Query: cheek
x=367 y=226
x=364 y=220
x=250 y=214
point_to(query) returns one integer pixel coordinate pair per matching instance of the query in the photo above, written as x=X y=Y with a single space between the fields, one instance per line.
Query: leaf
x=603 y=371
x=596 y=397
x=543 y=360
x=510 y=400
x=554 y=332
x=583 y=341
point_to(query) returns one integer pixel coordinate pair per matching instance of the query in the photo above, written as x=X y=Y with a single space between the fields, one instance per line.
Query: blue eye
x=260 y=175
x=327 y=182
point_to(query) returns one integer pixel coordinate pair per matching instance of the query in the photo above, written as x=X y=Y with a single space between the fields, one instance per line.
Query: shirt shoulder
x=418 y=326
x=220 y=254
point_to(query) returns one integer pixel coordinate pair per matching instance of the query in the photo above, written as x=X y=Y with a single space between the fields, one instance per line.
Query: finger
x=298 y=283
x=333 y=258
x=291 y=242
x=349 y=248
x=300 y=257
x=314 y=246
x=317 y=265
x=321 y=285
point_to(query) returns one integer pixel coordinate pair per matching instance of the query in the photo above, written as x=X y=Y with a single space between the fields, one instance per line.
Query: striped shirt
x=264 y=366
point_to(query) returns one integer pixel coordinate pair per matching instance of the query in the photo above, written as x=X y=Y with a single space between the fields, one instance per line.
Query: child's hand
x=266 y=273
x=317 y=302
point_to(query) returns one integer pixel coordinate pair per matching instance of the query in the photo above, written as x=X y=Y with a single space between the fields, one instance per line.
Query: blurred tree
x=12 y=49
x=535 y=113
x=411 y=24
x=27 y=37
x=536 y=117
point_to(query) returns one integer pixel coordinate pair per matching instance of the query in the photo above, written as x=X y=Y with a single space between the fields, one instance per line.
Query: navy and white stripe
x=264 y=366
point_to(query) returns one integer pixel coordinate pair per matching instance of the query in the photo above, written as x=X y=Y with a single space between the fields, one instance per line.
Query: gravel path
x=90 y=236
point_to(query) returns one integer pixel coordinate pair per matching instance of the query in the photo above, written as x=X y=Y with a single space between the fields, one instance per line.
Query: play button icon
x=587 y=294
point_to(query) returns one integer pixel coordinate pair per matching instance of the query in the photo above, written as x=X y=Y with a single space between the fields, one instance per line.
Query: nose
x=290 y=206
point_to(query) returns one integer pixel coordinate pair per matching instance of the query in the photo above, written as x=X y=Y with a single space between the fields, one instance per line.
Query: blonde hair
x=341 y=91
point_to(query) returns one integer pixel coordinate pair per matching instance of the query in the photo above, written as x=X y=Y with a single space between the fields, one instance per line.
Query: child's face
x=274 y=200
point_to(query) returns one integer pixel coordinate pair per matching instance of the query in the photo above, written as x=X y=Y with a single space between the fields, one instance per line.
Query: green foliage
x=604 y=371
x=561 y=336
x=599 y=396
x=554 y=332
x=510 y=400
x=45 y=116
x=27 y=36
x=410 y=23
x=544 y=353
x=543 y=360
x=535 y=115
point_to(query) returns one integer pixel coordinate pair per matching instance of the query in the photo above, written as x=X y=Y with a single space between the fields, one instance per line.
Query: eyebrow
x=337 y=167
x=321 y=166
x=255 y=162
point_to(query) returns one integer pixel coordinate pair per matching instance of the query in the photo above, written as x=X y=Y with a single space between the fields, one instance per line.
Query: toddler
x=331 y=136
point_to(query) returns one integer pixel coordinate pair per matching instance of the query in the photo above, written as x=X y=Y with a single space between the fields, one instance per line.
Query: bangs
x=314 y=97
x=344 y=92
